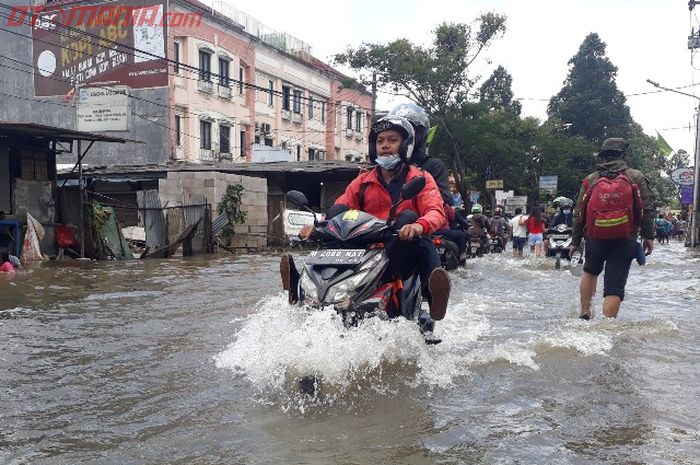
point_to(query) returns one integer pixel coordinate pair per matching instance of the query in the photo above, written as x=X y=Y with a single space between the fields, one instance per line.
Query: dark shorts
x=616 y=256
x=519 y=242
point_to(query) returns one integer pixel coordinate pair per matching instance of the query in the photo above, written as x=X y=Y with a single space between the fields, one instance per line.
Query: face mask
x=389 y=162
x=566 y=212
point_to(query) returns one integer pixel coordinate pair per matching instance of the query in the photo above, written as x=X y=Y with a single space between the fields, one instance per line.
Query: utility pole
x=696 y=207
x=374 y=97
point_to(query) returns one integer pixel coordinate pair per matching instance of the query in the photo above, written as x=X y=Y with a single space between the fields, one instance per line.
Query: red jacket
x=377 y=201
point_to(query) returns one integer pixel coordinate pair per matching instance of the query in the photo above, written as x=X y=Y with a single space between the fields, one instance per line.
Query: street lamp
x=694 y=219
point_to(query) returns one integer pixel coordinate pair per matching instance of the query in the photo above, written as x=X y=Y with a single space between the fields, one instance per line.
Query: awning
x=14 y=129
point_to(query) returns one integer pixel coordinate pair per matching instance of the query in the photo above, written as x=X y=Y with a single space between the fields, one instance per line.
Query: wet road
x=195 y=362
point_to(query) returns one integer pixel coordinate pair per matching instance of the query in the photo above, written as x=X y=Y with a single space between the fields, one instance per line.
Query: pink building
x=241 y=92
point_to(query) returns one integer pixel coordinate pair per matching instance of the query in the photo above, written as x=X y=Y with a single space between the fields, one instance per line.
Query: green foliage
x=434 y=77
x=590 y=100
x=231 y=203
x=497 y=94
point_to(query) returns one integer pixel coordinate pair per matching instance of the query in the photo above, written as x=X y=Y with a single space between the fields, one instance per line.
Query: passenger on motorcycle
x=374 y=192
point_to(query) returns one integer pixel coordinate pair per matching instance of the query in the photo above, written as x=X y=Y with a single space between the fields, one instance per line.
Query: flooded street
x=195 y=362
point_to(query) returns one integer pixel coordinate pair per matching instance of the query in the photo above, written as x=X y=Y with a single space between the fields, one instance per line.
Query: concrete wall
x=17 y=103
x=252 y=234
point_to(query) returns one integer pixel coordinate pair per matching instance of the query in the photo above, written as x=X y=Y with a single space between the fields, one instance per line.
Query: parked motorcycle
x=559 y=241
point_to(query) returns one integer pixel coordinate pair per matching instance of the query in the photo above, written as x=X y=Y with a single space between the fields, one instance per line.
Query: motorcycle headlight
x=343 y=290
x=309 y=287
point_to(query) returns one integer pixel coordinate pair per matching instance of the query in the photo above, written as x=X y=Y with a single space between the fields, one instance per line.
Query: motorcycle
x=448 y=252
x=559 y=241
x=496 y=243
x=346 y=272
x=476 y=246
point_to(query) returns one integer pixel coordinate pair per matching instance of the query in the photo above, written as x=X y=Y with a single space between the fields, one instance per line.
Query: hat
x=614 y=144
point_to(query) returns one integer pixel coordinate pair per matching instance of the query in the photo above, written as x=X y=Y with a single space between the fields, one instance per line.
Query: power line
x=133 y=51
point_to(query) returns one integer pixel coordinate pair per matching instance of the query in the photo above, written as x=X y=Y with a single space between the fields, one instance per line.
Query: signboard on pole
x=494 y=184
x=548 y=184
x=517 y=201
x=502 y=196
x=683 y=176
x=103 y=108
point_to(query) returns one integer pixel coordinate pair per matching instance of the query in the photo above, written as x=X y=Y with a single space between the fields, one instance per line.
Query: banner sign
x=686 y=195
x=549 y=184
x=494 y=184
x=683 y=176
x=94 y=43
x=103 y=108
x=501 y=196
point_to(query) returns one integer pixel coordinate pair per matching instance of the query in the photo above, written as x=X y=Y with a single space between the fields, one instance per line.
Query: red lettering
x=17 y=10
x=81 y=12
x=147 y=15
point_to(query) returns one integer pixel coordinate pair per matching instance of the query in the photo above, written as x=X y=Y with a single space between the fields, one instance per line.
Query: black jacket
x=437 y=169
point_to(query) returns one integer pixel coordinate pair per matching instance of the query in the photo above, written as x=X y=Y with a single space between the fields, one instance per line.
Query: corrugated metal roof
x=250 y=169
x=15 y=128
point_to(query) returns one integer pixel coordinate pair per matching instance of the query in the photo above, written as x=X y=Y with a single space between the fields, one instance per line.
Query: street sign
x=494 y=184
x=686 y=195
x=549 y=184
x=514 y=202
x=683 y=176
x=501 y=196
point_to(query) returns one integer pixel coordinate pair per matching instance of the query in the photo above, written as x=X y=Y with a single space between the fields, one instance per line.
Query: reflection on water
x=197 y=361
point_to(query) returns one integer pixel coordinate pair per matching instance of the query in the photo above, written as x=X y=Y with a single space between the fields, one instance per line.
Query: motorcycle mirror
x=297 y=198
x=412 y=187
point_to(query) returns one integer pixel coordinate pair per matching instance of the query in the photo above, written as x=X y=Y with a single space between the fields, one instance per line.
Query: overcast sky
x=646 y=39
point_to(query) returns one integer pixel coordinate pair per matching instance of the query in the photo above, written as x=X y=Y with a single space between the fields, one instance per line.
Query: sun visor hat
x=399 y=124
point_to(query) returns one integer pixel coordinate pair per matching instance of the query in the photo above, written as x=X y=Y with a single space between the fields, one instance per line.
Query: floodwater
x=195 y=361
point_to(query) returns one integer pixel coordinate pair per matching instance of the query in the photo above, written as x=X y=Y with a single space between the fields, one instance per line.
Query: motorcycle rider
x=374 y=192
x=565 y=215
x=499 y=226
x=479 y=225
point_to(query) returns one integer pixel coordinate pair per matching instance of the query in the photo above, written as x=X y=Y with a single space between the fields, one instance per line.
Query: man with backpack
x=613 y=204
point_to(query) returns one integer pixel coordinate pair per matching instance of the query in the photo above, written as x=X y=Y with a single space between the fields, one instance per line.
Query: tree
x=496 y=92
x=434 y=77
x=590 y=100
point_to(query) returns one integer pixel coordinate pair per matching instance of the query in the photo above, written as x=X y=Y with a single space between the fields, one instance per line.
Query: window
x=358 y=121
x=205 y=135
x=323 y=112
x=270 y=98
x=242 y=142
x=311 y=108
x=176 y=57
x=223 y=72
x=257 y=139
x=224 y=139
x=297 y=102
x=349 y=118
x=204 y=66
x=178 y=130
x=286 y=91
x=269 y=141
x=241 y=79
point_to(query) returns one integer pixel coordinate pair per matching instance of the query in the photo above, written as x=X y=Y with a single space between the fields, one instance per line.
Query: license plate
x=336 y=257
x=560 y=237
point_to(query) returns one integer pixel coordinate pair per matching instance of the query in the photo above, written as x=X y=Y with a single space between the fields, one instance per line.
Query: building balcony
x=297 y=118
x=224 y=92
x=205 y=86
x=358 y=135
x=206 y=155
x=287 y=114
x=349 y=133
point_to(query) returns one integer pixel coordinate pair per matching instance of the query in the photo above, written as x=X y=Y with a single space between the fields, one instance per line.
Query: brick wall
x=181 y=185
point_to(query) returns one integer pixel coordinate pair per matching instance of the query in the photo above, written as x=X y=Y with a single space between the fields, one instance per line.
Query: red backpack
x=611 y=206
